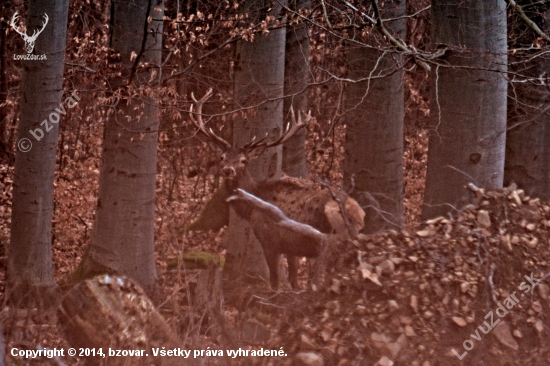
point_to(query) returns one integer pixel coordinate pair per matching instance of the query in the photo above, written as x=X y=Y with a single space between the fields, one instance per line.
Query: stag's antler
x=200 y=124
x=291 y=128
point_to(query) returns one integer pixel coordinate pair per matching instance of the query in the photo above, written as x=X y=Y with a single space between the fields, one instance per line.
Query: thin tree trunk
x=30 y=269
x=374 y=128
x=528 y=138
x=259 y=76
x=2 y=346
x=122 y=239
x=468 y=102
x=296 y=82
x=4 y=126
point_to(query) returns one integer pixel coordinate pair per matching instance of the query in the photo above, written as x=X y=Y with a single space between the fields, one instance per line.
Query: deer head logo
x=29 y=40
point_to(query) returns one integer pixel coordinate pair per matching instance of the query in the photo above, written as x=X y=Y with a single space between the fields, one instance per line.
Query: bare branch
x=409 y=16
x=325 y=14
x=527 y=20
x=366 y=16
x=397 y=42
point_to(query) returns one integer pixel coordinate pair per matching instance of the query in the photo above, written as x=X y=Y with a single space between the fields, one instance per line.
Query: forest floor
x=474 y=282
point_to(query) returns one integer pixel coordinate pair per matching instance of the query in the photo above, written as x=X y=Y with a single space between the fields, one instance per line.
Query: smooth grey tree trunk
x=374 y=127
x=4 y=126
x=122 y=239
x=468 y=102
x=528 y=137
x=296 y=81
x=30 y=268
x=259 y=77
x=2 y=347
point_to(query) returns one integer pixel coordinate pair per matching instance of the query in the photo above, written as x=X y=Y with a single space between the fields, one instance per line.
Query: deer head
x=29 y=40
x=234 y=160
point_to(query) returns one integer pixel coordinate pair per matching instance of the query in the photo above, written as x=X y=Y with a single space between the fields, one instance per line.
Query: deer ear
x=256 y=152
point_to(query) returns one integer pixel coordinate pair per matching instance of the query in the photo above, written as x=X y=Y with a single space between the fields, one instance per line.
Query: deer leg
x=293 y=271
x=272 y=260
x=318 y=270
x=319 y=264
x=311 y=267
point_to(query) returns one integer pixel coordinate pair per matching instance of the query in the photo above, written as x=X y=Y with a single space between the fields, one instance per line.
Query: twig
x=409 y=50
x=366 y=16
x=409 y=16
x=491 y=284
x=325 y=14
x=86 y=68
x=527 y=20
x=341 y=206
x=143 y=44
x=396 y=42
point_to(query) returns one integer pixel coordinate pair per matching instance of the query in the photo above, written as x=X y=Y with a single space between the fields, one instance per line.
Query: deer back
x=314 y=205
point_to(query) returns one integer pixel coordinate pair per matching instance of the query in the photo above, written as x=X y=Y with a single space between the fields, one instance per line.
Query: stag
x=324 y=208
x=29 y=40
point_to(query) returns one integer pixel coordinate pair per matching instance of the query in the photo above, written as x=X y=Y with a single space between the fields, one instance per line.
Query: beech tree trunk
x=468 y=102
x=2 y=347
x=30 y=269
x=374 y=127
x=122 y=239
x=5 y=153
x=259 y=76
x=528 y=138
x=296 y=82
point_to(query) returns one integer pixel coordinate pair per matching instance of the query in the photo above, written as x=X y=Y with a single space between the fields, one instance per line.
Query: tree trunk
x=468 y=102
x=5 y=153
x=259 y=76
x=296 y=82
x=2 y=347
x=30 y=269
x=122 y=239
x=528 y=138
x=374 y=127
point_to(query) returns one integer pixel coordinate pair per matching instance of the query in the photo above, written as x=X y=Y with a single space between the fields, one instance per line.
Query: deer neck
x=249 y=184
x=246 y=182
